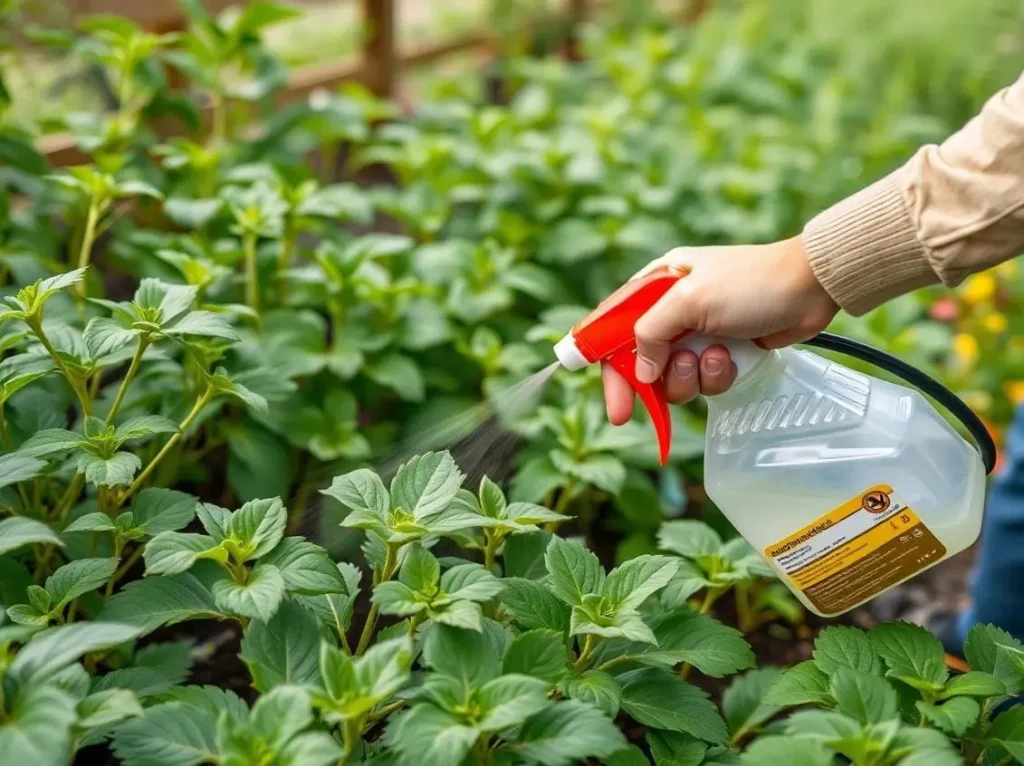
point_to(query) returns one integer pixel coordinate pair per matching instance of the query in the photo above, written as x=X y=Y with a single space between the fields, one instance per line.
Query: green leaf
x=670 y=748
x=573 y=571
x=176 y=552
x=627 y=624
x=431 y=736
x=78 y=577
x=119 y=470
x=385 y=668
x=802 y=684
x=361 y=490
x=37 y=728
x=845 y=647
x=50 y=442
x=688 y=538
x=954 y=716
x=631 y=756
x=533 y=606
x=426 y=485
x=983 y=653
x=603 y=471
x=398 y=598
x=259 y=524
x=14 y=468
x=420 y=570
x=630 y=584
x=168 y=734
x=471 y=657
x=787 y=750
x=50 y=651
x=284 y=649
x=492 y=499
x=571 y=241
x=306 y=568
x=152 y=602
x=1007 y=730
x=510 y=700
x=258 y=598
x=163 y=510
x=540 y=653
x=924 y=747
x=910 y=651
x=18 y=531
x=105 y=335
x=688 y=636
x=260 y=14
x=92 y=522
x=400 y=374
x=137 y=428
x=743 y=702
x=658 y=697
x=596 y=688
x=567 y=732
x=204 y=324
x=863 y=696
x=470 y=582
x=973 y=683
x=105 y=708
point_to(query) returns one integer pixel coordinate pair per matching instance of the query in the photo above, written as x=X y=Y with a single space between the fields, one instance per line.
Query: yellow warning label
x=857 y=550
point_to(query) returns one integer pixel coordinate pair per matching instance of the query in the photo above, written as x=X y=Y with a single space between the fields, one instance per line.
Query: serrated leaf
x=659 y=698
x=983 y=653
x=743 y=702
x=910 y=651
x=105 y=335
x=626 y=624
x=510 y=700
x=137 y=428
x=688 y=538
x=153 y=602
x=118 y=470
x=168 y=734
x=18 y=531
x=954 y=716
x=671 y=748
x=631 y=583
x=50 y=442
x=573 y=571
x=540 y=653
x=77 y=577
x=459 y=614
x=688 y=636
x=420 y=570
x=37 y=728
x=1007 y=730
x=840 y=646
x=567 y=732
x=258 y=597
x=14 y=468
x=306 y=568
x=426 y=485
x=866 y=697
x=431 y=736
x=260 y=524
x=596 y=688
x=51 y=650
x=284 y=649
x=534 y=606
x=107 y=707
x=787 y=750
x=973 y=683
x=802 y=684
x=361 y=490
x=470 y=582
x=176 y=552
x=163 y=510
x=204 y=324
x=92 y=522
x=400 y=374
x=471 y=657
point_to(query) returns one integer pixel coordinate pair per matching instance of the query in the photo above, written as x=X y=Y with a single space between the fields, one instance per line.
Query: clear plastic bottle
x=847 y=484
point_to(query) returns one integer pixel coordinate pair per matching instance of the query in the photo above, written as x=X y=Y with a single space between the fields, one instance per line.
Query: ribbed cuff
x=864 y=250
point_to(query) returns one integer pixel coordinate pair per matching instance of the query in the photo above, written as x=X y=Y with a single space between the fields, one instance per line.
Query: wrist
x=813 y=297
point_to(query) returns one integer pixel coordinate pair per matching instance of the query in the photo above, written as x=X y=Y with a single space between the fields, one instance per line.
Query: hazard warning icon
x=876 y=501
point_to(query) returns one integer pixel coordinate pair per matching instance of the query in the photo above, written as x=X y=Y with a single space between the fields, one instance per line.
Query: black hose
x=913 y=376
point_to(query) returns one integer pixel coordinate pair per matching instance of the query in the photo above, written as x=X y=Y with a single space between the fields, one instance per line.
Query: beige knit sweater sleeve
x=952 y=210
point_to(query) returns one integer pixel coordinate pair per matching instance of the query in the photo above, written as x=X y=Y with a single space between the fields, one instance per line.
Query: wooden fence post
x=379 y=69
x=576 y=16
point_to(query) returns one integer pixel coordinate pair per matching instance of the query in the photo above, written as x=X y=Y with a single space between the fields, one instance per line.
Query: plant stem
x=564 y=498
x=352 y=729
x=588 y=651
x=125 y=567
x=5 y=440
x=36 y=325
x=132 y=369
x=69 y=497
x=252 y=285
x=284 y=256
x=386 y=571
x=85 y=251
x=491 y=548
x=201 y=403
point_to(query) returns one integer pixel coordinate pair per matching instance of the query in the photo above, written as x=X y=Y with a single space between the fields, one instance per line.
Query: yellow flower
x=966 y=348
x=979 y=288
x=1014 y=391
x=995 y=323
x=1007 y=270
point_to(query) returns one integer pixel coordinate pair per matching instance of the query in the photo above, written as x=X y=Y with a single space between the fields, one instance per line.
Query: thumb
x=663 y=323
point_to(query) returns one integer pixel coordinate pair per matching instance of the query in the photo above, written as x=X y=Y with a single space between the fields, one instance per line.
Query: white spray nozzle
x=569 y=354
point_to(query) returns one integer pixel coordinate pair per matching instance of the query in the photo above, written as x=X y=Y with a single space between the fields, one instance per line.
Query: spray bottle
x=847 y=484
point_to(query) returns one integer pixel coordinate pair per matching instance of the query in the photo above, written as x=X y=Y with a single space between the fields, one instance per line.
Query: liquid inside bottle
x=846 y=484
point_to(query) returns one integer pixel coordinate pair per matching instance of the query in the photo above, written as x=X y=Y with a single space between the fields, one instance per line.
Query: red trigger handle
x=651 y=394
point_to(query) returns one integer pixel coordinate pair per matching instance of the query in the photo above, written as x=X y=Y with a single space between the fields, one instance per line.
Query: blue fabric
x=997 y=583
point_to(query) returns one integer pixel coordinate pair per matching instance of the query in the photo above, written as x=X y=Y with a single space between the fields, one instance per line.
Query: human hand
x=763 y=292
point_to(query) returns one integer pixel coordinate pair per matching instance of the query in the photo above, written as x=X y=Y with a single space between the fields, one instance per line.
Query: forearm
x=952 y=210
